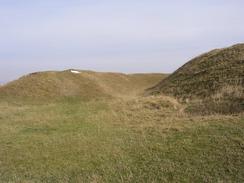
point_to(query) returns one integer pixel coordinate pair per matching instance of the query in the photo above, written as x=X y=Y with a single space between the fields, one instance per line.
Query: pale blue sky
x=109 y=35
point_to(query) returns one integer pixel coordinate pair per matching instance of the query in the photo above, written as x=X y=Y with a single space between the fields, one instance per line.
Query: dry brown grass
x=228 y=100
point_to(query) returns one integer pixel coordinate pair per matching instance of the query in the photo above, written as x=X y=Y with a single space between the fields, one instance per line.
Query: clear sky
x=111 y=35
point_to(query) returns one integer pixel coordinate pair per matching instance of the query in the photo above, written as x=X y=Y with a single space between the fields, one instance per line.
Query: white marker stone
x=75 y=72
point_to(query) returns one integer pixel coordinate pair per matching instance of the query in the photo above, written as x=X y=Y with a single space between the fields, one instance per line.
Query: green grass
x=140 y=140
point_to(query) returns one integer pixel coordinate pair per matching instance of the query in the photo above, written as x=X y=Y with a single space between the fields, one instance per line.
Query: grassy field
x=147 y=139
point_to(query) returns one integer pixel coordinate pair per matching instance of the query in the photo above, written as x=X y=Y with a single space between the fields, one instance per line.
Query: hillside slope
x=210 y=83
x=76 y=83
x=206 y=75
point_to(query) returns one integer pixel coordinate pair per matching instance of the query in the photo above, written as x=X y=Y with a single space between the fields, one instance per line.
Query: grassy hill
x=216 y=76
x=130 y=139
x=84 y=84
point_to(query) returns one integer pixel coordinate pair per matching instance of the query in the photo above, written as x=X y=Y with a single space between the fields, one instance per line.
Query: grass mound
x=86 y=85
x=216 y=76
